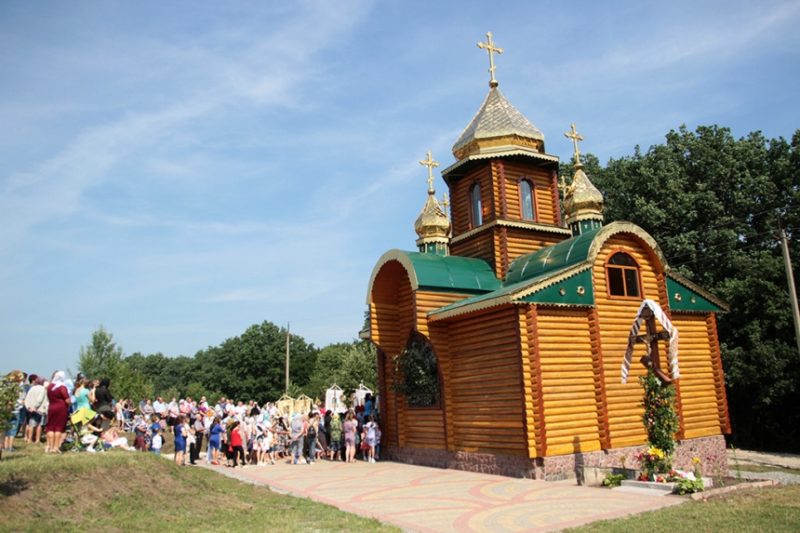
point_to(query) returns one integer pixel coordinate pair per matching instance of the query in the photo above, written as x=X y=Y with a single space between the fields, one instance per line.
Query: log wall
x=540 y=178
x=480 y=246
x=615 y=316
x=700 y=400
x=486 y=389
x=568 y=380
x=459 y=197
x=391 y=321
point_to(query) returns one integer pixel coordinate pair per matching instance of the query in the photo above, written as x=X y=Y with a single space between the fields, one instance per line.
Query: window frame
x=472 y=214
x=532 y=185
x=607 y=266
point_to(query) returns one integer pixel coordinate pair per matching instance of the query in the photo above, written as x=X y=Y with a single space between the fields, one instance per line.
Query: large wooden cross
x=491 y=49
x=650 y=339
x=431 y=164
x=576 y=137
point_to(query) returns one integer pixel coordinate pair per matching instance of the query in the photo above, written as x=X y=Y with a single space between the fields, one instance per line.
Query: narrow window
x=476 y=211
x=526 y=200
x=622 y=274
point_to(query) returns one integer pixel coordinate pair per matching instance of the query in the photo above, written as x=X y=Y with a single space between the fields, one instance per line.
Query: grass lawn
x=134 y=491
x=767 y=509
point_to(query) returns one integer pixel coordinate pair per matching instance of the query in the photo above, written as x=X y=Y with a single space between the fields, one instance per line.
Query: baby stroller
x=78 y=438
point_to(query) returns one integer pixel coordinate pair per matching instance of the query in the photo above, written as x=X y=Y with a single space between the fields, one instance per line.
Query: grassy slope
x=769 y=509
x=126 y=491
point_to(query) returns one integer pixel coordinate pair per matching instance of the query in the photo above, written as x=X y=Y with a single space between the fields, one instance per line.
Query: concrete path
x=423 y=499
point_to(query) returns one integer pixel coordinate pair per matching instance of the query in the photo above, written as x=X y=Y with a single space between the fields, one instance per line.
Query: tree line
x=246 y=367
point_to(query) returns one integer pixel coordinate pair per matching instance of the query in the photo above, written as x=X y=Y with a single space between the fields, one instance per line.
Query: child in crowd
x=369 y=434
x=156 y=442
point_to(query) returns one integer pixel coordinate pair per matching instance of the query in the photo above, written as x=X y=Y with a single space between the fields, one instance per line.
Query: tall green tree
x=346 y=364
x=714 y=204
x=251 y=366
x=102 y=357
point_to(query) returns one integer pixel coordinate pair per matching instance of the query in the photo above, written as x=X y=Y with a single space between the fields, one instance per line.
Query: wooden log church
x=501 y=340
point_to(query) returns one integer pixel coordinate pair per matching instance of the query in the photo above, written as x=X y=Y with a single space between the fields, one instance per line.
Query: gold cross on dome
x=445 y=203
x=576 y=137
x=431 y=164
x=491 y=49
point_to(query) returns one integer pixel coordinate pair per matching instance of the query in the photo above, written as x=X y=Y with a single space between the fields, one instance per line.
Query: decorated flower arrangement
x=656 y=464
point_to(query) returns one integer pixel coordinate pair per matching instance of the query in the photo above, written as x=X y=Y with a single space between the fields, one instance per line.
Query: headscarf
x=58 y=380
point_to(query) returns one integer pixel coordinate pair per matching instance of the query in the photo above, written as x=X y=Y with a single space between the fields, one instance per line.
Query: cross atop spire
x=576 y=137
x=431 y=164
x=490 y=47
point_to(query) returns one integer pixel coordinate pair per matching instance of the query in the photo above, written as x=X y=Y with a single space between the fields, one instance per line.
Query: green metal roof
x=453 y=273
x=551 y=258
x=684 y=298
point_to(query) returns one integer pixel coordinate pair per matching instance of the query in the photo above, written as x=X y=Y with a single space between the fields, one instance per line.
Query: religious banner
x=669 y=329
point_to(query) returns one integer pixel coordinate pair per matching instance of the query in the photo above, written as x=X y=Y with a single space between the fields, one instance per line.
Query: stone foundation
x=586 y=467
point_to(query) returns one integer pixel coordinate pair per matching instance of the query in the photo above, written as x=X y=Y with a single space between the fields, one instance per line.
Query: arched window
x=476 y=212
x=622 y=274
x=526 y=200
x=418 y=368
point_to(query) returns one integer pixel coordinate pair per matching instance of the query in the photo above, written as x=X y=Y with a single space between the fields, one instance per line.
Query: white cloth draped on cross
x=665 y=322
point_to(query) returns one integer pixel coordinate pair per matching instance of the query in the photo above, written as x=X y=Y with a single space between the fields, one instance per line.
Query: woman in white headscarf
x=57 y=413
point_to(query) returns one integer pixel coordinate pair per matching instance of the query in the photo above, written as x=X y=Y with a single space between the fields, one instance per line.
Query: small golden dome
x=583 y=200
x=432 y=224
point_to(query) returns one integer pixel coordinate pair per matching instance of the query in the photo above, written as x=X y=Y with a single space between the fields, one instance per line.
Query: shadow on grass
x=13 y=485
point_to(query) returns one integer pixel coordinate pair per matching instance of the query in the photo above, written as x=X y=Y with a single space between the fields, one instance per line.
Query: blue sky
x=178 y=171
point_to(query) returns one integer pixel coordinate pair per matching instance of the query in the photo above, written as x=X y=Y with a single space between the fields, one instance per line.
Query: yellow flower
x=695 y=460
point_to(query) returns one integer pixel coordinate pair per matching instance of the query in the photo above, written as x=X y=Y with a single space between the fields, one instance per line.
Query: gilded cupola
x=583 y=202
x=498 y=125
x=432 y=225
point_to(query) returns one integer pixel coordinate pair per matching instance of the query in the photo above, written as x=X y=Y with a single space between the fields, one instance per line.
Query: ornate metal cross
x=431 y=164
x=650 y=340
x=491 y=49
x=576 y=137
x=445 y=203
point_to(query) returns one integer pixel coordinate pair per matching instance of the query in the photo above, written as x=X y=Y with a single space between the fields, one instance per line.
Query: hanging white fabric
x=661 y=317
x=361 y=394
x=333 y=399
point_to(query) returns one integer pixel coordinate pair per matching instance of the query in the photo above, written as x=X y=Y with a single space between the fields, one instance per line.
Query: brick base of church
x=710 y=450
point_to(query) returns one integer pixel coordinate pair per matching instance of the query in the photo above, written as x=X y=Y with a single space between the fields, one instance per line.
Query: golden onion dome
x=583 y=200
x=432 y=223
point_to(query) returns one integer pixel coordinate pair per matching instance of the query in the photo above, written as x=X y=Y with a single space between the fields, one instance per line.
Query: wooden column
x=598 y=366
x=554 y=196
x=537 y=394
x=529 y=404
x=719 y=375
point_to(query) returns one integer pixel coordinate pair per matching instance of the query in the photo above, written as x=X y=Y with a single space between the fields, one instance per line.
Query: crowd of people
x=233 y=433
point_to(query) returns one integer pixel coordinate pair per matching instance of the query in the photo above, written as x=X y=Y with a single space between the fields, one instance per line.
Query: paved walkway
x=423 y=499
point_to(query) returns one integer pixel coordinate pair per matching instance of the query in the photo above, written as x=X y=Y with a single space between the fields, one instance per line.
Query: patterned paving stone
x=423 y=499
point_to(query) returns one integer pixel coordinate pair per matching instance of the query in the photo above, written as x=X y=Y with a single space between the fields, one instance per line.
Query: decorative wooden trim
x=501 y=176
x=492 y=178
x=601 y=399
x=536 y=374
x=554 y=195
x=527 y=379
x=719 y=374
x=503 y=252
